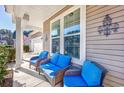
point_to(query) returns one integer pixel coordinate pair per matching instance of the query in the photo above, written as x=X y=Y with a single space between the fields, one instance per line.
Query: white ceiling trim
x=37 y=14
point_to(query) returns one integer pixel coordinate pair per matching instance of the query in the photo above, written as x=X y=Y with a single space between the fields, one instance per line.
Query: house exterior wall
x=46 y=28
x=26 y=40
x=36 y=44
x=107 y=51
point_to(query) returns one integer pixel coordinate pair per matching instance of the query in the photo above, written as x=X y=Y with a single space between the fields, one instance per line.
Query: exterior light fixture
x=26 y=17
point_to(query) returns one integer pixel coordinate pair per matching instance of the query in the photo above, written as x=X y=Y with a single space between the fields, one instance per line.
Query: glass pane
x=72 y=46
x=56 y=28
x=55 y=45
x=72 y=22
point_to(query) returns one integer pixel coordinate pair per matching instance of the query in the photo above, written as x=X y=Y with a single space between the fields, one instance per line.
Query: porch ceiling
x=37 y=13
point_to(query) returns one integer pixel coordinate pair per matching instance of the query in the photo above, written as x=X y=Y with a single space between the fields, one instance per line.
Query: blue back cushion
x=91 y=74
x=63 y=61
x=43 y=54
x=54 y=58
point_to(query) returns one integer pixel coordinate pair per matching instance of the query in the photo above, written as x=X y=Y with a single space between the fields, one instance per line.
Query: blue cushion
x=54 y=58
x=74 y=81
x=63 y=61
x=34 y=57
x=91 y=74
x=50 y=69
x=43 y=54
x=33 y=61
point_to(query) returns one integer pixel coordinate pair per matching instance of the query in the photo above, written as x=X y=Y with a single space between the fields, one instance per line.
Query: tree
x=3 y=61
x=7 y=35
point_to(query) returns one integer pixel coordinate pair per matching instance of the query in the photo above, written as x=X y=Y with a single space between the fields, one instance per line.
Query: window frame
x=74 y=34
x=51 y=34
x=82 y=32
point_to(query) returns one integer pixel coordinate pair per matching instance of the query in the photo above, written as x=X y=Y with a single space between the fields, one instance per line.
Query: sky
x=6 y=20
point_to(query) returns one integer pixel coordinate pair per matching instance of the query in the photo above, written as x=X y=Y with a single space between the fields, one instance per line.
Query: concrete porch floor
x=26 y=77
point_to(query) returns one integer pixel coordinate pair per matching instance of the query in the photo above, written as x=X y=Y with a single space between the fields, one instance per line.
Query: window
x=72 y=34
x=55 y=36
x=68 y=33
x=72 y=45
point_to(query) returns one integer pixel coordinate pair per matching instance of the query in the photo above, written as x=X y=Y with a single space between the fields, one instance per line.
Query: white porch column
x=19 y=43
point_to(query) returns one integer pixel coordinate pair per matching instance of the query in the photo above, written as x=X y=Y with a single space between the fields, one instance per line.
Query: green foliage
x=26 y=48
x=3 y=61
x=8 y=46
x=11 y=55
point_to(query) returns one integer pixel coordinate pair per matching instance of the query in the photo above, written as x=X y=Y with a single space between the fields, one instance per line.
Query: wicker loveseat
x=55 y=67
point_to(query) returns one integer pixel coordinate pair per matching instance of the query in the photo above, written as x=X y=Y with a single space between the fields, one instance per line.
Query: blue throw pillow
x=91 y=74
x=54 y=58
x=43 y=54
x=63 y=61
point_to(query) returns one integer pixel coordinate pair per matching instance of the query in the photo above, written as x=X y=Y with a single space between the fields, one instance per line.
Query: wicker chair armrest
x=44 y=61
x=73 y=72
x=63 y=70
x=60 y=74
x=39 y=61
x=35 y=57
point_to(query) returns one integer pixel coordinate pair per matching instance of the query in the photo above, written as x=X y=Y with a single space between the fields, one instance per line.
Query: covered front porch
x=82 y=32
x=26 y=77
x=29 y=17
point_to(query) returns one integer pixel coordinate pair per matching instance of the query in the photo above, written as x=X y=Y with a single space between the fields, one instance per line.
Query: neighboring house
x=36 y=42
x=26 y=39
x=3 y=42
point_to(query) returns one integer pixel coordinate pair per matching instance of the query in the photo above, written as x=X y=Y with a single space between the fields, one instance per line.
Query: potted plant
x=5 y=74
x=26 y=48
x=11 y=55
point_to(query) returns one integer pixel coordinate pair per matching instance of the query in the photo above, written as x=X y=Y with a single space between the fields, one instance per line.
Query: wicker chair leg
x=39 y=71
x=53 y=83
x=29 y=65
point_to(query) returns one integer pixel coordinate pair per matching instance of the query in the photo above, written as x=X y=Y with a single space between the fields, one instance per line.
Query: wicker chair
x=91 y=75
x=55 y=67
x=36 y=60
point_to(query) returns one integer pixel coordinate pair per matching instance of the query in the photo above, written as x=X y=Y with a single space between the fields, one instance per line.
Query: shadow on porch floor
x=26 y=77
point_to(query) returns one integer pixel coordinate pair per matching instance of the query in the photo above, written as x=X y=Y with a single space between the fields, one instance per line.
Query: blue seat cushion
x=91 y=74
x=74 y=81
x=64 y=61
x=43 y=54
x=54 y=58
x=50 y=69
x=33 y=61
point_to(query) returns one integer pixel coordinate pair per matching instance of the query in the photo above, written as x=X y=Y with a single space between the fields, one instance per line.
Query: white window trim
x=72 y=34
x=82 y=32
x=55 y=37
x=52 y=21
